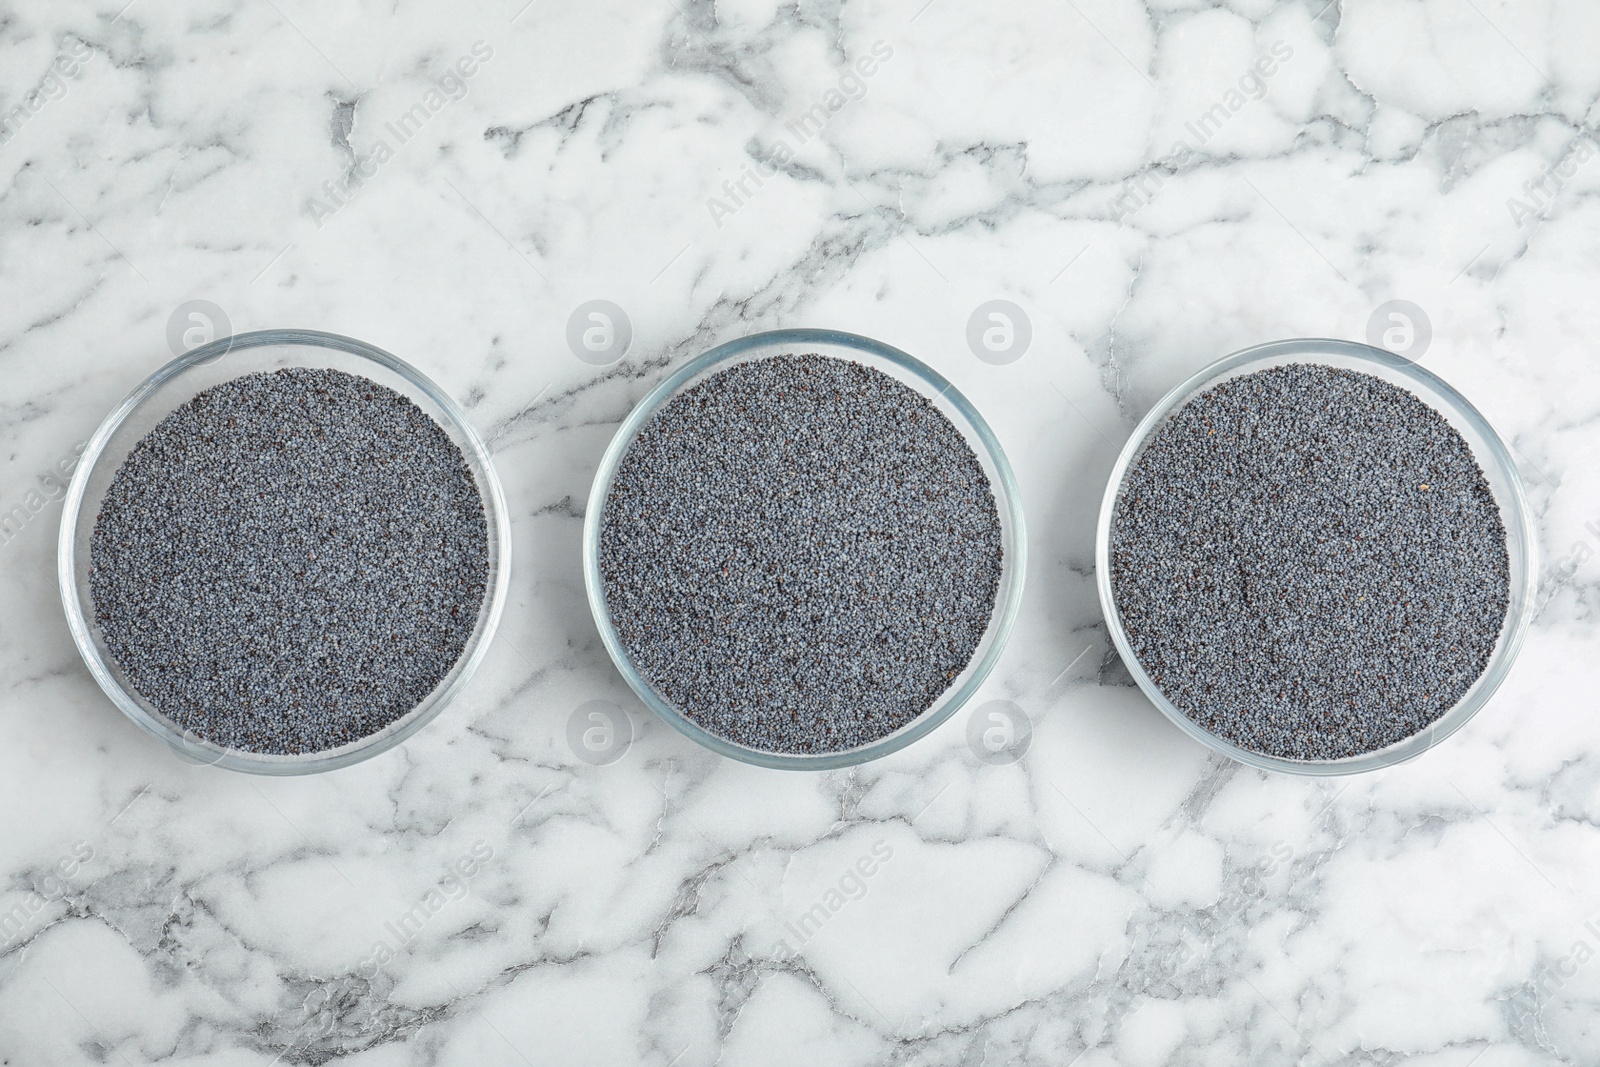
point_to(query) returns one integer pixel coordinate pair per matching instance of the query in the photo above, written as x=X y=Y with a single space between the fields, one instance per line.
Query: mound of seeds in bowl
x=1309 y=562
x=290 y=561
x=800 y=553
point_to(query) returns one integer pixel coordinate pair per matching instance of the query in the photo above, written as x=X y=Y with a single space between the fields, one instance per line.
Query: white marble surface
x=1117 y=897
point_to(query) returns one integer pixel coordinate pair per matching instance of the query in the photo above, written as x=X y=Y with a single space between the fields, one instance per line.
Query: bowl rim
x=1519 y=529
x=188 y=746
x=1008 y=502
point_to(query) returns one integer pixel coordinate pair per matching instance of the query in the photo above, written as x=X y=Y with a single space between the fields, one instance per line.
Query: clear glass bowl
x=171 y=387
x=1498 y=468
x=961 y=414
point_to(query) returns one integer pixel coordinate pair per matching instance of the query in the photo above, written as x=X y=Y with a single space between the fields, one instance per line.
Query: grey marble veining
x=1153 y=184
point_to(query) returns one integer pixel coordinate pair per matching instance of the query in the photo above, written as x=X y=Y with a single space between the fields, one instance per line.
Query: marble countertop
x=1149 y=185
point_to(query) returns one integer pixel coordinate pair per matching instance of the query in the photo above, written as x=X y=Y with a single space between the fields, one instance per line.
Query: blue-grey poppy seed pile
x=290 y=561
x=1309 y=562
x=800 y=553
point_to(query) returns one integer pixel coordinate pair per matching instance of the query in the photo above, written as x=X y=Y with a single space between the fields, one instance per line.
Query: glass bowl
x=1498 y=469
x=174 y=385
x=927 y=382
